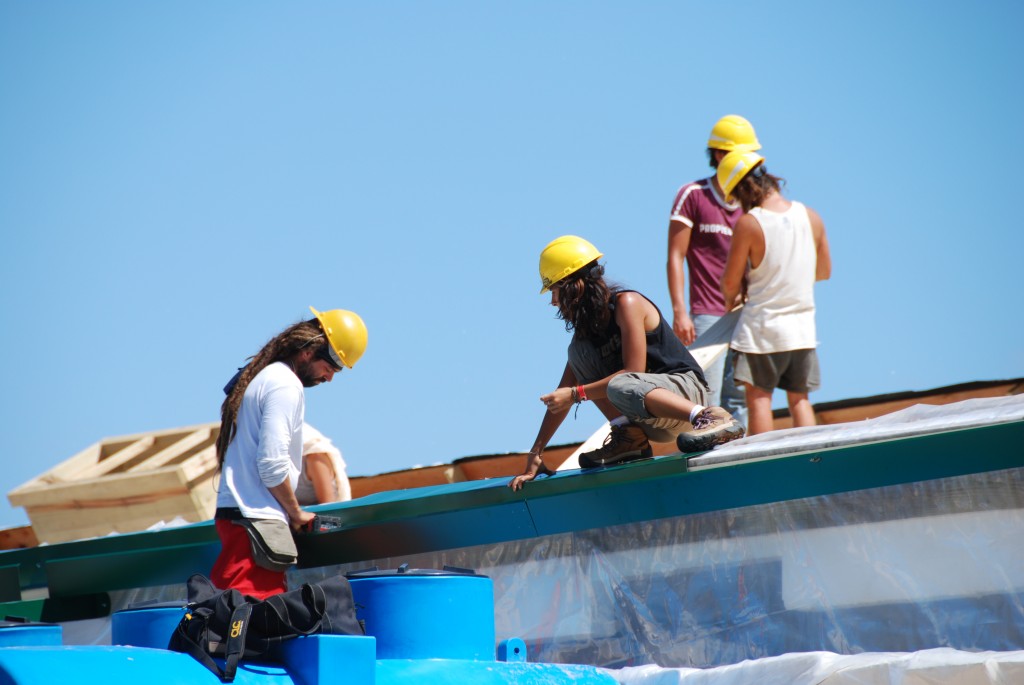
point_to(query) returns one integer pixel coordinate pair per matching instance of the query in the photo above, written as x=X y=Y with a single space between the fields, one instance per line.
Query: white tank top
x=779 y=313
x=315 y=442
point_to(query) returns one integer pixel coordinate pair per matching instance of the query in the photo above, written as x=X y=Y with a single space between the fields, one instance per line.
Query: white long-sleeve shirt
x=267 y=447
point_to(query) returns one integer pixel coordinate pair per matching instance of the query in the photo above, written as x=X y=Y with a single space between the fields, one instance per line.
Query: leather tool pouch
x=273 y=547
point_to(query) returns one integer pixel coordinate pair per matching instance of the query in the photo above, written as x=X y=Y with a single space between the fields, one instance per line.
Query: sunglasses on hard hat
x=328 y=355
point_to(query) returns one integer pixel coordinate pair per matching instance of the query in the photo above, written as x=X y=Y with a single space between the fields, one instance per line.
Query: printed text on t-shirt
x=715 y=228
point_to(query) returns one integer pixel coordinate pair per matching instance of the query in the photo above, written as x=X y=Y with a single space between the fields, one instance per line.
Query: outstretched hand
x=517 y=483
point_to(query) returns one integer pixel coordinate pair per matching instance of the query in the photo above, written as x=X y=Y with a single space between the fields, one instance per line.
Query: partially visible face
x=554 y=295
x=314 y=371
x=715 y=157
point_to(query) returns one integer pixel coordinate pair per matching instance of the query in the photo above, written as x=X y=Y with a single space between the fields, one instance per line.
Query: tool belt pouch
x=273 y=547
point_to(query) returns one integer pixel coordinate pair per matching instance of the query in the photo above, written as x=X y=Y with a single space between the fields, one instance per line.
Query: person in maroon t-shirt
x=699 y=234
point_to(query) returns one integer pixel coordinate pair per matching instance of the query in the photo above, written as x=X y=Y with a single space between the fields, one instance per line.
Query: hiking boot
x=624 y=443
x=713 y=426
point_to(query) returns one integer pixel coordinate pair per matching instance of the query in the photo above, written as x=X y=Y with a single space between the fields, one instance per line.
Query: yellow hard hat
x=733 y=132
x=733 y=167
x=564 y=256
x=346 y=334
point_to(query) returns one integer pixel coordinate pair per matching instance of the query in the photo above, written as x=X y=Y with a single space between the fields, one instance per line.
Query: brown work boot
x=713 y=426
x=624 y=443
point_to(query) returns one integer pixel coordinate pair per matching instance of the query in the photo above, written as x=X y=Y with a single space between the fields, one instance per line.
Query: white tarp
x=927 y=667
x=919 y=419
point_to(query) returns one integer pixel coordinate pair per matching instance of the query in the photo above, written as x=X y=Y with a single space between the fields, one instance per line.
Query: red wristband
x=581 y=393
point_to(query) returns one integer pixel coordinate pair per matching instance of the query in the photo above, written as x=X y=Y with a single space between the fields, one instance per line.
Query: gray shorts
x=628 y=390
x=793 y=371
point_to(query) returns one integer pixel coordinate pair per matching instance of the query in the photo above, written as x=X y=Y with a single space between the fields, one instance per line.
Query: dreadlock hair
x=280 y=348
x=756 y=186
x=583 y=301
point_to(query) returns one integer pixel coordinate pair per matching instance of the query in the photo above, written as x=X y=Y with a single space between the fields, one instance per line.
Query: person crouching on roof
x=625 y=358
x=259 y=448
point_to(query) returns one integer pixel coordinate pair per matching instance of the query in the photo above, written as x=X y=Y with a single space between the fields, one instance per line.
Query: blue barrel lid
x=404 y=570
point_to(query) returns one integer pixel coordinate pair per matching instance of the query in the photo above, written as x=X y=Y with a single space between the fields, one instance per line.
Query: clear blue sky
x=180 y=180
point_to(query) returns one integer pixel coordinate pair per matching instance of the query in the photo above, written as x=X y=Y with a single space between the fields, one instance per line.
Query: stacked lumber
x=124 y=484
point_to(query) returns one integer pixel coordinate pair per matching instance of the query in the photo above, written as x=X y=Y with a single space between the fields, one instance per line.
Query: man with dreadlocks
x=625 y=357
x=259 y=448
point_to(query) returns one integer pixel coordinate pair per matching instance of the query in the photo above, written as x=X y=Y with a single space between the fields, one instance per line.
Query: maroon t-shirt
x=710 y=219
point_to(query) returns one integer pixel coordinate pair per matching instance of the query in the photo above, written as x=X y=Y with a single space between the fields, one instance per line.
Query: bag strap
x=318 y=600
x=238 y=626
x=189 y=646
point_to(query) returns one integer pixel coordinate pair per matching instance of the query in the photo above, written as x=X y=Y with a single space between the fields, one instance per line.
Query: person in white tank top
x=779 y=250
x=322 y=478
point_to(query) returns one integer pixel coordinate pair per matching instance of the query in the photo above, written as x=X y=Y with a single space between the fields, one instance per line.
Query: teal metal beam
x=10 y=583
x=482 y=512
x=60 y=609
x=663 y=488
x=36 y=564
x=420 y=520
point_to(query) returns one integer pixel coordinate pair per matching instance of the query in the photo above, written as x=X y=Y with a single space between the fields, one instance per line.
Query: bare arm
x=553 y=418
x=636 y=316
x=678 y=245
x=824 y=268
x=320 y=470
x=743 y=234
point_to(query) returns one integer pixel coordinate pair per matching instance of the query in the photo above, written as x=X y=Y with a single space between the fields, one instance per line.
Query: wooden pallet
x=124 y=484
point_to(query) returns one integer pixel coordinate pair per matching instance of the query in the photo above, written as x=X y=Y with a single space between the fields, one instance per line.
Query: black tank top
x=594 y=359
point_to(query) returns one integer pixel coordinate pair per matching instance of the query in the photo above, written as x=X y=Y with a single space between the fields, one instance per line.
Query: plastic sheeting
x=930 y=667
x=901 y=568
x=896 y=569
x=934 y=564
x=919 y=419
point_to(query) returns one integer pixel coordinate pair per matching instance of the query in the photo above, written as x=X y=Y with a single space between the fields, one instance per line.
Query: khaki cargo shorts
x=628 y=390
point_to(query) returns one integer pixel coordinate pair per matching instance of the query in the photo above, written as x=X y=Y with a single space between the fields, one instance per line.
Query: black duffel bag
x=231 y=625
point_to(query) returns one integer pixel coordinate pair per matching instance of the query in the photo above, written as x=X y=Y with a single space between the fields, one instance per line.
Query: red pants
x=236 y=569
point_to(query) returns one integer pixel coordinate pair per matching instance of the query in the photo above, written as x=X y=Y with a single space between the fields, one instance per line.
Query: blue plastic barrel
x=148 y=625
x=113 y=665
x=426 y=614
x=18 y=632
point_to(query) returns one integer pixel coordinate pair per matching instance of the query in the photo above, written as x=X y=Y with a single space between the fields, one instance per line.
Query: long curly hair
x=280 y=348
x=583 y=301
x=756 y=186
